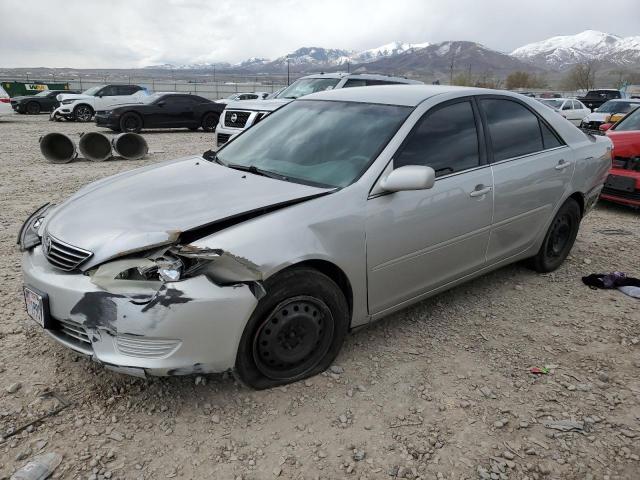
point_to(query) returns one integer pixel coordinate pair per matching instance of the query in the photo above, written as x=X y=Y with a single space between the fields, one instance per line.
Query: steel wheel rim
x=130 y=124
x=83 y=114
x=294 y=338
x=559 y=236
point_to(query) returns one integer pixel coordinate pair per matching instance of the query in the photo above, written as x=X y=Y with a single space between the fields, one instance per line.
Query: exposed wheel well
x=578 y=197
x=334 y=273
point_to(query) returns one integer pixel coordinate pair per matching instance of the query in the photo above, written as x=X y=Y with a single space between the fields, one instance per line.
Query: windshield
x=93 y=90
x=233 y=96
x=617 y=107
x=305 y=86
x=316 y=142
x=43 y=93
x=553 y=103
x=628 y=123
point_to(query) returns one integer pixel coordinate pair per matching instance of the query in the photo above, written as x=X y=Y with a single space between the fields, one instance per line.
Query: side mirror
x=409 y=177
x=605 y=126
x=161 y=104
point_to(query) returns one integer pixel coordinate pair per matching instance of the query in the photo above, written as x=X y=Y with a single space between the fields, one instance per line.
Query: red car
x=623 y=183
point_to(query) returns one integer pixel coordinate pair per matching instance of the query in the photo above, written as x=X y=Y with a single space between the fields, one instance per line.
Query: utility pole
x=452 y=64
x=288 y=72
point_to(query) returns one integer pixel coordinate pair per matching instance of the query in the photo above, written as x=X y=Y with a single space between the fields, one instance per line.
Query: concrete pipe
x=95 y=146
x=130 y=146
x=58 y=148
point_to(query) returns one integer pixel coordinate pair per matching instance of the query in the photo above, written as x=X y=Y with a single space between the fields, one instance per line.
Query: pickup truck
x=595 y=98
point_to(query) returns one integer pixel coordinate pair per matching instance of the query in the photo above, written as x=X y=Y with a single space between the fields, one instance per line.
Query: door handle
x=480 y=191
x=562 y=165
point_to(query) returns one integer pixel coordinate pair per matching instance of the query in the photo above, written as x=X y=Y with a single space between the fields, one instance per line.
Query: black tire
x=83 y=113
x=209 y=122
x=33 y=108
x=296 y=330
x=131 y=122
x=559 y=238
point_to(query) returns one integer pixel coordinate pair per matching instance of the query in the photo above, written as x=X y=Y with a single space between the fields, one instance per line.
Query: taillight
x=5 y=100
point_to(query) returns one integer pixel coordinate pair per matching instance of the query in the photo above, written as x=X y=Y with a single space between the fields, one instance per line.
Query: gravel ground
x=441 y=390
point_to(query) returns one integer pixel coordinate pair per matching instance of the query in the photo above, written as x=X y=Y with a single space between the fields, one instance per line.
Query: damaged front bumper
x=153 y=328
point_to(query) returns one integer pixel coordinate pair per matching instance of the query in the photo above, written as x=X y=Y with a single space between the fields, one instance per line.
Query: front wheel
x=130 y=122
x=559 y=239
x=83 y=113
x=209 y=122
x=33 y=108
x=296 y=330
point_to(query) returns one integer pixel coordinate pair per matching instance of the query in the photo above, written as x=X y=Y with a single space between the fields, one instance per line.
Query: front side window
x=445 y=139
x=355 y=82
x=306 y=86
x=317 y=142
x=109 y=91
x=514 y=130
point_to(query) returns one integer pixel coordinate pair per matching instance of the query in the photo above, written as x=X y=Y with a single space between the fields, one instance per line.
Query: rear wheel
x=209 y=122
x=559 y=238
x=33 y=108
x=130 y=122
x=83 y=113
x=296 y=330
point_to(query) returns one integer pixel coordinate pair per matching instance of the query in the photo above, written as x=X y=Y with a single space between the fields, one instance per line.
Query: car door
x=532 y=168
x=178 y=111
x=420 y=240
x=106 y=97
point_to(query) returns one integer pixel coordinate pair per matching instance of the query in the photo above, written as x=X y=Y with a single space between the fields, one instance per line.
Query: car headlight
x=28 y=236
x=165 y=268
x=67 y=102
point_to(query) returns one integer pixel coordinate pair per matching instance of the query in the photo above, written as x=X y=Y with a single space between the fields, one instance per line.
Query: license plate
x=37 y=305
x=617 y=182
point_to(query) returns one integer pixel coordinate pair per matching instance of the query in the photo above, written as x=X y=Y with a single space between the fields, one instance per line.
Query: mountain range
x=551 y=55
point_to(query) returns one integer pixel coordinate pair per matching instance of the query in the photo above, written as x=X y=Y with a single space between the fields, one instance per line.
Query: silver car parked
x=336 y=210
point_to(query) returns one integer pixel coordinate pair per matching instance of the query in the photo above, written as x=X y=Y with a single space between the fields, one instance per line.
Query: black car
x=44 y=101
x=163 y=111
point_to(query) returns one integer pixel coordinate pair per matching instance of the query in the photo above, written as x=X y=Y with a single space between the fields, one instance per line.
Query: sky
x=137 y=33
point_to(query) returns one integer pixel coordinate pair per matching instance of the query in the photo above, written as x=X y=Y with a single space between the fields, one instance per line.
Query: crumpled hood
x=258 y=105
x=153 y=205
x=596 y=117
x=625 y=144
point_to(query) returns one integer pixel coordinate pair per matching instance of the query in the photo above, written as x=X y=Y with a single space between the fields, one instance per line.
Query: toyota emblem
x=234 y=117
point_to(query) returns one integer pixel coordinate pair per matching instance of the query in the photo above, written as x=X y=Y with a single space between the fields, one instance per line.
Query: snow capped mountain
x=189 y=66
x=393 y=48
x=566 y=50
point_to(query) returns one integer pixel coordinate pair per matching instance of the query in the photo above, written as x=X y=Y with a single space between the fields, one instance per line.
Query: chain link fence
x=206 y=85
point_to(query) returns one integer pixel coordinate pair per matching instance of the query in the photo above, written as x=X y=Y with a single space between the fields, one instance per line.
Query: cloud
x=135 y=33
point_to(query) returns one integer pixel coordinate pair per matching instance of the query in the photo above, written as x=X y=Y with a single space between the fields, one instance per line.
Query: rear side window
x=549 y=139
x=445 y=139
x=513 y=129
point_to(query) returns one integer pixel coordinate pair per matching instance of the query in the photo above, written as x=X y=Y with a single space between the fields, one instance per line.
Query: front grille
x=62 y=255
x=223 y=138
x=74 y=331
x=146 y=347
x=236 y=118
x=621 y=193
x=626 y=163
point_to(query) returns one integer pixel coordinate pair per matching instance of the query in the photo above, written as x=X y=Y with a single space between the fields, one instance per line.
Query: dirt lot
x=439 y=391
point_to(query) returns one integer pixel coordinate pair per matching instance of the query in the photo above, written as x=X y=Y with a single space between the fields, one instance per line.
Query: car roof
x=364 y=76
x=629 y=100
x=404 y=95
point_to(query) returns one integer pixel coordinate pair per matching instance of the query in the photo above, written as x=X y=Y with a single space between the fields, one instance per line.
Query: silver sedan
x=334 y=211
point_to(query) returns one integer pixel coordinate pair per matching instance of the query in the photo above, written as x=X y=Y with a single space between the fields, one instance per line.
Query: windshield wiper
x=256 y=171
x=292 y=98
